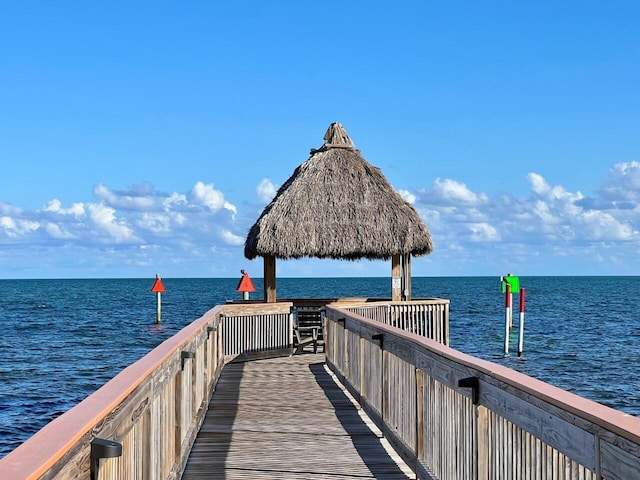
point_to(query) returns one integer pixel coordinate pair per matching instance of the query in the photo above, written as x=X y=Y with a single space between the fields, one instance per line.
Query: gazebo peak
x=335 y=137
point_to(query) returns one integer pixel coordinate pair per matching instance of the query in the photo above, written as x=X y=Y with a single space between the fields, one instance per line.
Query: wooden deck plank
x=287 y=418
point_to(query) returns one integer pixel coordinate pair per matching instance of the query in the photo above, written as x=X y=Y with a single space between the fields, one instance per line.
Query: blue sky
x=146 y=137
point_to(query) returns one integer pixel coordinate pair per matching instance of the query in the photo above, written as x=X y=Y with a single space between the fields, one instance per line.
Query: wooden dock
x=449 y=415
x=287 y=418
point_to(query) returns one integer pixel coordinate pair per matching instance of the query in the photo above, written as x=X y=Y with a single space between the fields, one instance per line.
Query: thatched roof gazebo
x=337 y=205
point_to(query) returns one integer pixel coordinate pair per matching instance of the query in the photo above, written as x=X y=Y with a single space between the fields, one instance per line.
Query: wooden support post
x=269 y=279
x=396 y=281
x=406 y=277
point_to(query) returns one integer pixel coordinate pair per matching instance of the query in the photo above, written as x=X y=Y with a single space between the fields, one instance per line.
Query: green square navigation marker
x=514 y=283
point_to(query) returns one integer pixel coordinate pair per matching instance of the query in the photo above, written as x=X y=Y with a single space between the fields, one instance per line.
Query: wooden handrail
x=153 y=408
x=448 y=414
x=453 y=416
x=427 y=317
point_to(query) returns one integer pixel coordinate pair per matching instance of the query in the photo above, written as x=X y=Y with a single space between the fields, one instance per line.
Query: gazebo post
x=396 y=280
x=269 y=279
x=406 y=277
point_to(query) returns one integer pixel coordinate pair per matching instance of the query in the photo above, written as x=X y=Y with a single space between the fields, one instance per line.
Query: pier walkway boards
x=287 y=418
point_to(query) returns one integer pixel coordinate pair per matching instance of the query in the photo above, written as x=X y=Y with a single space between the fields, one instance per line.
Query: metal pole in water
x=158 y=289
x=507 y=318
x=158 y=307
x=510 y=310
x=521 y=326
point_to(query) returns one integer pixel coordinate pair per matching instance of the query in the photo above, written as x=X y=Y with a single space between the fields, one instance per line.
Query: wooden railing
x=452 y=416
x=429 y=317
x=252 y=331
x=147 y=417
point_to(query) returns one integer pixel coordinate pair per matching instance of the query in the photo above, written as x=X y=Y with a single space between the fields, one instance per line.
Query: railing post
x=445 y=319
x=384 y=398
x=362 y=372
x=419 y=414
x=482 y=443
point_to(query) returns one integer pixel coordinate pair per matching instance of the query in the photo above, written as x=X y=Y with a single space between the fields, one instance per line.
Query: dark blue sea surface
x=62 y=339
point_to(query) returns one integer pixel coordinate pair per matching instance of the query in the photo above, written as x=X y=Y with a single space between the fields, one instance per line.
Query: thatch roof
x=337 y=205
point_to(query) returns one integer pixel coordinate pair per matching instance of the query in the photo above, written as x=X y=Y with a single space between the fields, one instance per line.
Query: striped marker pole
x=507 y=318
x=510 y=310
x=521 y=326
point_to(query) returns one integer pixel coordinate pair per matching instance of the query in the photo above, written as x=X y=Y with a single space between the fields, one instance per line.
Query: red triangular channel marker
x=245 y=285
x=158 y=287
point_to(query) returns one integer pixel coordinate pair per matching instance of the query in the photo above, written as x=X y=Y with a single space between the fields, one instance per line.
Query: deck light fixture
x=102 y=448
x=474 y=384
x=184 y=355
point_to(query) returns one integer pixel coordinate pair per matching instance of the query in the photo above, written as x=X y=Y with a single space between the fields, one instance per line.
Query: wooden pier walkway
x=287 y=418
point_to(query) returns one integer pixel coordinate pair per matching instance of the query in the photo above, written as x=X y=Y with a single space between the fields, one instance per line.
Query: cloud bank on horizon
x=137 y=230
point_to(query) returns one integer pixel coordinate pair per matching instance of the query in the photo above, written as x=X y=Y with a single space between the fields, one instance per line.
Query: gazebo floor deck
x=287 y=418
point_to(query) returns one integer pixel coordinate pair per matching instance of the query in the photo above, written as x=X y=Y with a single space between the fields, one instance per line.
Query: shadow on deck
x=288 y=418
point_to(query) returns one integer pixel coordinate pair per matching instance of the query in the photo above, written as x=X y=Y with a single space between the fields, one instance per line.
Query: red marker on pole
x=245 y=285
x=521 y=326
x=158 y=289
x=507 y=318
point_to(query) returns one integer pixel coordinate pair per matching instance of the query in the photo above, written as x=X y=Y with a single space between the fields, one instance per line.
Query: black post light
x=184 y=355
x=102 y=448
x=474 y=384
x=380 y=338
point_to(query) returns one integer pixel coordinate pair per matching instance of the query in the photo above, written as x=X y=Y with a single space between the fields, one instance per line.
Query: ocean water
x=62 y=339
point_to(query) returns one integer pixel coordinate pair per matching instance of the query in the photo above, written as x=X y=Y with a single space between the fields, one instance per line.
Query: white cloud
x=550 y=222
x=55 y=231
x=105 y=219
x=230 y=238
x=622 y=183
x=55 y=206
x=179 y=219
x=266 y=190
x=206 y=195
x=137 y=197
x=7 y=223
x=453 y=212
x=7 y=209
x=14 y=228
x=157 y=223
x=452 y=192
x=173 y=201
x=603 y=226
x=564 y=215
x=139 y=226
x=557 y=193
x=483 y=232
x=407 y=196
